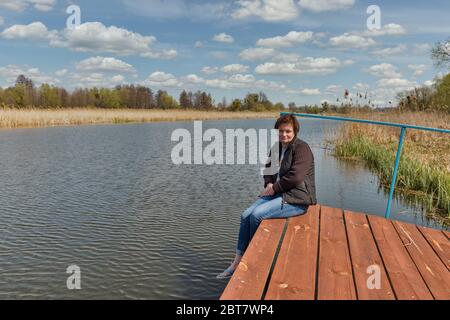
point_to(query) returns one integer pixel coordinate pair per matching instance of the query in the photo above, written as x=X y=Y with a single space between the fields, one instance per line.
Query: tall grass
x=424 y=165
x=16 y=118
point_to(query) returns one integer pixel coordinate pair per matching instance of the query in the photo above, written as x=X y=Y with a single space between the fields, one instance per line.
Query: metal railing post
x=394 y=175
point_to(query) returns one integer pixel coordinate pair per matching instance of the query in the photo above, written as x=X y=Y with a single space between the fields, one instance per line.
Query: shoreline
x=44 y=118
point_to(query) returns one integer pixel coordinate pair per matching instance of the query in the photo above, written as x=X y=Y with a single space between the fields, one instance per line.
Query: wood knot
x=243 y=266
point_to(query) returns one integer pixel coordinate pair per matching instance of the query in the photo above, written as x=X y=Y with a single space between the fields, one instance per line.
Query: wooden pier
x=327 y=253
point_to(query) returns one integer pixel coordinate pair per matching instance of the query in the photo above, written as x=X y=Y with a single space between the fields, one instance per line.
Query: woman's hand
x=268 y=191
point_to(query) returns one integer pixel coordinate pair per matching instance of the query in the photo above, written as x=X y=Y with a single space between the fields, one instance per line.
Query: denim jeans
x=264 y=208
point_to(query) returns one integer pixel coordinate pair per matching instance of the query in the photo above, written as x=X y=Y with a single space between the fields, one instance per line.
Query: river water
x=108 y=199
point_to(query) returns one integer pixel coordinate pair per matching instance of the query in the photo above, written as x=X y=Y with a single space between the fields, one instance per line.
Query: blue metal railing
x=399 y=148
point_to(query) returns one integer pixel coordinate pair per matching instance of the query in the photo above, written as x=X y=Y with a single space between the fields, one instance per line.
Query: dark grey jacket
x=297 y=179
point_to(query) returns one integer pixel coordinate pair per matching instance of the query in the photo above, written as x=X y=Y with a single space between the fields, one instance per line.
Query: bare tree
x=441 y=54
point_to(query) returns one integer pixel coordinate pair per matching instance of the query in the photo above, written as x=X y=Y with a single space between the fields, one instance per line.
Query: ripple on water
x=108 y=199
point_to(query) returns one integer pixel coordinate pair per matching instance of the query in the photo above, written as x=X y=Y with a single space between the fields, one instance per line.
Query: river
x=108 y=199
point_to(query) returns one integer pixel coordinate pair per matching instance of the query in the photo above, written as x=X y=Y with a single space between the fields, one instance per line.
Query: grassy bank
x=20 y=118
x=425 y=164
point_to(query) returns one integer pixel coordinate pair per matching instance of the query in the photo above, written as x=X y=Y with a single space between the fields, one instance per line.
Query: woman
x=286 y=194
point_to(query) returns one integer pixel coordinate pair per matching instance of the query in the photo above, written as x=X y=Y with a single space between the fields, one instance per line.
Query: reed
x=19 y=118
x=425 y=163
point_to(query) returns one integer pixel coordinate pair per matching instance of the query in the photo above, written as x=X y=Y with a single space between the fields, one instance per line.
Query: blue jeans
x=264 y=208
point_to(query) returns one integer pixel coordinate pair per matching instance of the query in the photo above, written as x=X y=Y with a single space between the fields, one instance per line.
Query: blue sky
x=305 y=51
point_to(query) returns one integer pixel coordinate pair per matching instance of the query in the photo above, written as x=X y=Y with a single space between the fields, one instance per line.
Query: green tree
x=48 y=96
x=165 y=101
x=279 y=106
x=185 y=101
x=443 y=94
x=251 y=102
x=236 y=105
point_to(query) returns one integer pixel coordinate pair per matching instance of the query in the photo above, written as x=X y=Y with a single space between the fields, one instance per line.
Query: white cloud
x=86 y=80
x=234 y=81
x=109 y=64
x=2 y=21
x=243 y=81
x=95 y=79
x=396 y=84
x=326 y=5
x=289 y=40
x=308 y=65
x=165 y=54
x=310 y=92
x=390 y=29
x=254 y=54
x=384 y=70
x=162 y=79
x=91 y=37
x=223 y=37
x=61 y=73
x=351 y=41
x=43 y=5
x=193 y=79
x=422 y=48
x=285 y=57
x=220 y=83
x=418 y=69
x=118 y=79
x=363 y=40
x=268 y=10
x=235 y=68
x=10 y=73
x=334 y=88
x=361 y=86
x=33 y=31
x=21 y=5
x=199 y=44
x=13 y=5
x=242 y=78
x=94 y=36
x=210 y=70
x=348 y=62
x=390 y=51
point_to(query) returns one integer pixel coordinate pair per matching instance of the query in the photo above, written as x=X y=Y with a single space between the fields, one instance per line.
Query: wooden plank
x=335 y=278
x=439 y=242
x=249 y=279
x=434 y=272
x=406 y=280
x=447 y=234
x=364 y=254
x=294 y=275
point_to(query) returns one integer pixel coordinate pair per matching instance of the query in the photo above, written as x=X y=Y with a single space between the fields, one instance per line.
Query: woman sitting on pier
x=286 y=194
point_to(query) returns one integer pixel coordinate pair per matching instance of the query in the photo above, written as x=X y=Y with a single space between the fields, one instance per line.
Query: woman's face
x=286 y=133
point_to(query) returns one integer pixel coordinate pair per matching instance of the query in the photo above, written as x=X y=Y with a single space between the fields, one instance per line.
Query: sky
x=302 y=51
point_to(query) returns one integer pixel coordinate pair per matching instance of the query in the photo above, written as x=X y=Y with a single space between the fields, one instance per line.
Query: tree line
x=427 y=98
x=25 y=94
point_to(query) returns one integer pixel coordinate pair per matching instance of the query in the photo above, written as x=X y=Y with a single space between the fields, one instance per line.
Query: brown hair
x=288 y=119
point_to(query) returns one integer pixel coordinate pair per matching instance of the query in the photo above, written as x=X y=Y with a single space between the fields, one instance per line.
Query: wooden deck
x=325 y=254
